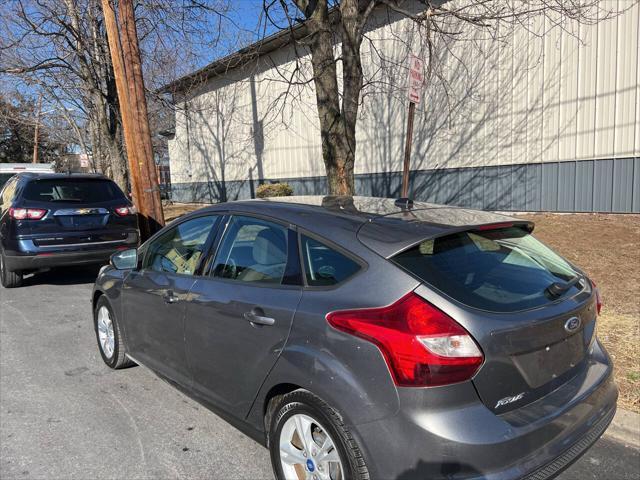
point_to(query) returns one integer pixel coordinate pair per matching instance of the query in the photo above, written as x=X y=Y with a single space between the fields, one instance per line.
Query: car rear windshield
x=503 y=270
x=72 y=190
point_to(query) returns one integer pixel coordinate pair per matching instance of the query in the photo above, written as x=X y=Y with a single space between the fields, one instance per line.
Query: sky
x=242 y=22
x=246 y=24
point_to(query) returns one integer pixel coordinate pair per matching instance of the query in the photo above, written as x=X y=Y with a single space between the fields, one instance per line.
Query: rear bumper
x=58 y=259
x=26 y=255
x=454 y=436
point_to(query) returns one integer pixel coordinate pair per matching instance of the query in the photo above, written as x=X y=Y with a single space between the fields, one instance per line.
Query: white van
x=7 y=170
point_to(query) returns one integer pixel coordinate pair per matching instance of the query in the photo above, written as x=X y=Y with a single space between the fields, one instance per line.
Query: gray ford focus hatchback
x=361 y=337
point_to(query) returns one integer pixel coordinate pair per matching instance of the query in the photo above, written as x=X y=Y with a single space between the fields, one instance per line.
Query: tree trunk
x=337 y=131
x=119 y=165
x=351 y=36
x=96 y=72
x=107 y=152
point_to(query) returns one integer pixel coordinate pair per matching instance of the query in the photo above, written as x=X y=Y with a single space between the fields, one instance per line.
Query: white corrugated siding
x=566 y=95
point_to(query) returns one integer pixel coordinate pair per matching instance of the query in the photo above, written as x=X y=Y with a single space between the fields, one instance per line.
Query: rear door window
x=72 y=190
x=325 y=266
x=503 y=270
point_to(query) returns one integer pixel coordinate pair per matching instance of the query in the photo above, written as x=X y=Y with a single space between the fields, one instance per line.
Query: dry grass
x=607 y=247
x=174 y=210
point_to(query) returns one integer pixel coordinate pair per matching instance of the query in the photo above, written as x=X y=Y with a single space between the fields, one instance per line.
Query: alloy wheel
x=106 y=336
x=307 y=451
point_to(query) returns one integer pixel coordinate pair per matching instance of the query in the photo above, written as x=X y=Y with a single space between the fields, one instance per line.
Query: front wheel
x=109 y=335
x=308 y=440
x=7 y=278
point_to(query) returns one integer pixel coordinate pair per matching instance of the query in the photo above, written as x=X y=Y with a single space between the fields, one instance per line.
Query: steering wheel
x=231 y=269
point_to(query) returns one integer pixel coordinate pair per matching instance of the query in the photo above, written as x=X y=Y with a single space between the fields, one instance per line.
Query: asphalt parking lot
x=65 y=415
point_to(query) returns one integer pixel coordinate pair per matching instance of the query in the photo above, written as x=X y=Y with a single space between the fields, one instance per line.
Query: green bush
x=274 y=190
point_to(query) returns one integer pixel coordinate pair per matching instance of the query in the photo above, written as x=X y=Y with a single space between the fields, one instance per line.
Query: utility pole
x=138 y=99
x=36 y=131
x=144 y=186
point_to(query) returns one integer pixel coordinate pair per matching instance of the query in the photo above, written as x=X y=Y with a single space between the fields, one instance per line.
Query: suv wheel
x=7 y=278
x=308 y=440
x=109 y=336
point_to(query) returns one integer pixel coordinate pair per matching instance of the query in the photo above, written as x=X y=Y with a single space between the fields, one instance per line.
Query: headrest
x=270 y=247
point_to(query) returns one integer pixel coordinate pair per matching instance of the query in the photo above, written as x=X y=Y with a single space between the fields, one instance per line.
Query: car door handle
x=256 y=319
x=170 y=297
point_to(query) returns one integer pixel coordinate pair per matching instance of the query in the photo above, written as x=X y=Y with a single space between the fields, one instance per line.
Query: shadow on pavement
x=63 y=276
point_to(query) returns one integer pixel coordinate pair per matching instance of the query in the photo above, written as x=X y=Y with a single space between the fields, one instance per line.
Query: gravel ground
x=64 y=415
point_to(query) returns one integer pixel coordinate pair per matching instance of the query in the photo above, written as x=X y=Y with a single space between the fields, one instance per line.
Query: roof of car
x=49 y=175
x=383 y=224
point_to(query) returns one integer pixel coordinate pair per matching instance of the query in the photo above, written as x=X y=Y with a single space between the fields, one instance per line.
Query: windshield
x=503 y=270
x=72 y=190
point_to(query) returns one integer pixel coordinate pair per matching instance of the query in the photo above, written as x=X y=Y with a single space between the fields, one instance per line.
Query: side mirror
x=125 y=260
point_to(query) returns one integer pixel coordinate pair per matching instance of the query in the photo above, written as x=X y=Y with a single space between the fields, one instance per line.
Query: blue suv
x=50 y=220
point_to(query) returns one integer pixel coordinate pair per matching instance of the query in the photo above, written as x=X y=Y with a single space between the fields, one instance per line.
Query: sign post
x=416 y=82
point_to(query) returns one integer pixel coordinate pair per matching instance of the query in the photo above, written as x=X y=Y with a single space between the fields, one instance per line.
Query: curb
x=625 y=428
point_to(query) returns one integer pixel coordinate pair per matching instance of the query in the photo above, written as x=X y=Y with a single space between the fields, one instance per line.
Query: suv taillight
x=27 y=213
x=124 y=211
x=598 y=296
x=422 y=345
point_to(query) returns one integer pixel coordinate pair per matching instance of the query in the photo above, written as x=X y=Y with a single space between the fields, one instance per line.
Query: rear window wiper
x=557 y=289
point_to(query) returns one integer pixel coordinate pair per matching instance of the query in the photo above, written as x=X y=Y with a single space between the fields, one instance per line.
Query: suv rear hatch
x=530 y=311
x=80 y=212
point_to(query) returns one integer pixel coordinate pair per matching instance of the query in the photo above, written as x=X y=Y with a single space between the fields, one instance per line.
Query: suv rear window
x=503 y=270
x=72 y=190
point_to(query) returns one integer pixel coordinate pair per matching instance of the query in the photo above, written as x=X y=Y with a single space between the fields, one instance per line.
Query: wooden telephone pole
x=127 y=70
x=36 y=131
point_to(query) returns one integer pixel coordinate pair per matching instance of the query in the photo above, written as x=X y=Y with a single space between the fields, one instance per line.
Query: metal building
x=542 y=119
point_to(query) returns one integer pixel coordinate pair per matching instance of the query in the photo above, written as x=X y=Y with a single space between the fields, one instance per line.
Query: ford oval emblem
x=572 y=324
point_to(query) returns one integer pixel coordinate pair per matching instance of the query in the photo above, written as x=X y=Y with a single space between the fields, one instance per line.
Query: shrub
x=274 y=190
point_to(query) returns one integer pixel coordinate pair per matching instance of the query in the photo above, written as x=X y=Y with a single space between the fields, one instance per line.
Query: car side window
x=180 y=249
x=7 y=193
x=325 y=266
x=252 y=250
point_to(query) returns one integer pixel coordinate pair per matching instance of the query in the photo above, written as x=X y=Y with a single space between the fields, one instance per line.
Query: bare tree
x=60 y=48
x=332 y=32
x=17 y=126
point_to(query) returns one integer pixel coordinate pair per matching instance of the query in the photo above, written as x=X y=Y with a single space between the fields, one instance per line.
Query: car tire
x=109 y=335
x=7 y=278
x=304 y=409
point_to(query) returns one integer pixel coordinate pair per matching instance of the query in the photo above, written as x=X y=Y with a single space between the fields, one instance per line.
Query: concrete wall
x=551 y=114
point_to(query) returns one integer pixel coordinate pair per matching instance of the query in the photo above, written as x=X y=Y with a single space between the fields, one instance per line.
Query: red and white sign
x=416 y=79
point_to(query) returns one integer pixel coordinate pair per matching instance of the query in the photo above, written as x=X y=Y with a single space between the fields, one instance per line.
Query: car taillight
x=124 y=211
x=27 y=213
x=598 y=296
x=422 y=345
